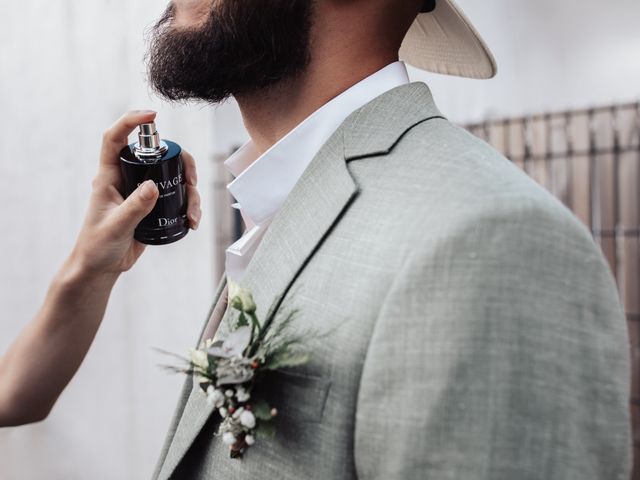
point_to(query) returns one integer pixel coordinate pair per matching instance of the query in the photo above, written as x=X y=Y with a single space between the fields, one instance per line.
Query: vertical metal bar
x=636 y=363
x=506 y=126
x=637 y=225
x=593 y=187
x=638 y=169
x=569 y=157
x=549 y=178
x=526 y=132
x=486 y=132
x=617 y=228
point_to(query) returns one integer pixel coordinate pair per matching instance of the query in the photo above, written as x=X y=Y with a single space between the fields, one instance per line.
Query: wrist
x=76 y=273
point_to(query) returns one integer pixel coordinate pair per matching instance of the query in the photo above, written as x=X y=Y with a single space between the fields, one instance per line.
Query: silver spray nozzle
x=148 y=136
x=149 y=145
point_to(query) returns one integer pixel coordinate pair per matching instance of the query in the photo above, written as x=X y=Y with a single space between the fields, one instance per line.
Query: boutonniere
x=227 y=369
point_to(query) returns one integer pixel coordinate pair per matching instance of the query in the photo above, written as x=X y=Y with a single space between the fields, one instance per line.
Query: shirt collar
x=263 y=182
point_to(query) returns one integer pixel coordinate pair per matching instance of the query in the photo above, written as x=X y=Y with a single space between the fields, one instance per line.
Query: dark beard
x=243 y=47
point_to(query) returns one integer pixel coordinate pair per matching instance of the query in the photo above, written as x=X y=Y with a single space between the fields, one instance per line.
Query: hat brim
x=444 y=41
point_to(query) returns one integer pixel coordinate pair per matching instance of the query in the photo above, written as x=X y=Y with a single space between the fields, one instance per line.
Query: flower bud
x=199 y=358
x=237 y=413
x=240 y=298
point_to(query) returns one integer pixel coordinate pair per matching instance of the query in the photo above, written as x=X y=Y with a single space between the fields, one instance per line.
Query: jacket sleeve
x=500 y=352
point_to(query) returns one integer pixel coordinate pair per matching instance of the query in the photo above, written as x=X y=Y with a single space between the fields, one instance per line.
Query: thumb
x=136 y=206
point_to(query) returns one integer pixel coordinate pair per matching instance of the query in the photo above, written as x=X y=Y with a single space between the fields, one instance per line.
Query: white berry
x=228 y=438
x=247 y=419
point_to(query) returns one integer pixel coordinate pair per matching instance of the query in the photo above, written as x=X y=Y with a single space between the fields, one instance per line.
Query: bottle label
x=167 y=222
x=168 y=217
x=166 y=184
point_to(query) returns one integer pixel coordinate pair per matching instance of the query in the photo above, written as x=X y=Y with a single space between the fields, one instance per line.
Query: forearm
x=51 y=348
x=48 y=352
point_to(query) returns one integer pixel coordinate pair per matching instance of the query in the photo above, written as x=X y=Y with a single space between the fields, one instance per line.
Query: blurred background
x=564 y=107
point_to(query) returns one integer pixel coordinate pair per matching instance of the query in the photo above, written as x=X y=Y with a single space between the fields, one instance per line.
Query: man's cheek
x=191 y=13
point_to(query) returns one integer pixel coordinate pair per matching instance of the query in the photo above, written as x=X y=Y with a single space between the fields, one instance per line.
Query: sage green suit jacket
x=476 y=329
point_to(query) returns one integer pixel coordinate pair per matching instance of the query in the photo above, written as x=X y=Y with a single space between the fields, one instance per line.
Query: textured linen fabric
x=471 y=328
x=263 y=182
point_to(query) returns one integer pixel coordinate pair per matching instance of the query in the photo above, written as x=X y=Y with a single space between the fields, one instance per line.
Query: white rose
x=199 y=358
x=240 y=298
x=223 y=412
x=247 y=419
x=249 y=439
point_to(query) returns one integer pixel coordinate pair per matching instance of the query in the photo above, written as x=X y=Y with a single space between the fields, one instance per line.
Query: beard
x=242 y=48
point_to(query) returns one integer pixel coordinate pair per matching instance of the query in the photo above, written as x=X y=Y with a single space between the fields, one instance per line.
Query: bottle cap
x=149 y=146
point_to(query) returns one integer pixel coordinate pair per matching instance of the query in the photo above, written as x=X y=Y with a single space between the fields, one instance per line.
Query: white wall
x=551 y=55
x=68 y=69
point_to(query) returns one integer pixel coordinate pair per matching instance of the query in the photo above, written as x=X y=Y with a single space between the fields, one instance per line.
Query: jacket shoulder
x=440 y=178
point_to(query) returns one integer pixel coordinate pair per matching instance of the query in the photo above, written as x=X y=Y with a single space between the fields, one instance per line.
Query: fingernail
x=195 y=218
x=145 y=112
x=148 y=190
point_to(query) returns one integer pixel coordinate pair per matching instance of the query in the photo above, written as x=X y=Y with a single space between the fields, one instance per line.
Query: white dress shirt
x=262 y=182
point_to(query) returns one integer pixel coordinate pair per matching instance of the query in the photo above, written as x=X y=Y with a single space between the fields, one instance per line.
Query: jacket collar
x=264 y=181
x=318 y=200
x=387 y=118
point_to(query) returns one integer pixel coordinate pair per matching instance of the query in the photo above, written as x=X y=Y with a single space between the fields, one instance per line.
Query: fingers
x=190 y=172
x=135 y=207
x=194 y=213
x=115 y=138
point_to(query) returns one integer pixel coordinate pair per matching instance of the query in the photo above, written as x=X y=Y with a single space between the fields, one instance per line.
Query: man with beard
x=475 y=328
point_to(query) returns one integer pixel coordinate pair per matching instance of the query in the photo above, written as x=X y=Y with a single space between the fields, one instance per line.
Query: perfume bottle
x=152 y=158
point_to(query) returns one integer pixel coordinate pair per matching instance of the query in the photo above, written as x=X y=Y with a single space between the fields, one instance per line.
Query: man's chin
x=196 y=57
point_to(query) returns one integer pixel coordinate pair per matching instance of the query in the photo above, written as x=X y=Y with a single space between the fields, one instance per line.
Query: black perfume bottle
x=159 y=160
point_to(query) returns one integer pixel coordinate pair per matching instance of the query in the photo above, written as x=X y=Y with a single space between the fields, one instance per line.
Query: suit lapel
x=315 y=203
x=318 y=200
x=187 y=391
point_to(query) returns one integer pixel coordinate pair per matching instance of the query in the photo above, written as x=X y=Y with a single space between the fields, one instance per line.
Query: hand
x=105 y=245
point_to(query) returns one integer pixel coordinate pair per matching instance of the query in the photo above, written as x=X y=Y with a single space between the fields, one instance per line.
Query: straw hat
x=442 y=40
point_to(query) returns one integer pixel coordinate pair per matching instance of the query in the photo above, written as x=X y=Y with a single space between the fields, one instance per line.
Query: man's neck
x=343 y=52
x=271 y=114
